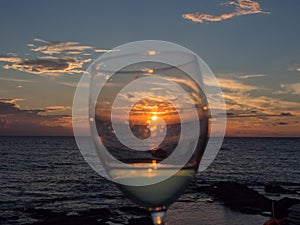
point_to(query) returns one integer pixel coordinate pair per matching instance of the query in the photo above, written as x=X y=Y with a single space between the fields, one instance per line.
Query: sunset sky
x=251 y=46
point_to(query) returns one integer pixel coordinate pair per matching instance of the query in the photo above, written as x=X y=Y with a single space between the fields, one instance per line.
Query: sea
x=49 y=175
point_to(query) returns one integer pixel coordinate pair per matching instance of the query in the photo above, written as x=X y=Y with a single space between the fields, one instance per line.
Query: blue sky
x=255 y=52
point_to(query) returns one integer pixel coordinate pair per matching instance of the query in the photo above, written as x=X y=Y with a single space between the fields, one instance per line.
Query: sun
x=154 y=118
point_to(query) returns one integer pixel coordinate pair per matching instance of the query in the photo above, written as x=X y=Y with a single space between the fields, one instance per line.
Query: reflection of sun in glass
x=154 y=118
x=158 y=220
x=150 y=70
x=152 y=52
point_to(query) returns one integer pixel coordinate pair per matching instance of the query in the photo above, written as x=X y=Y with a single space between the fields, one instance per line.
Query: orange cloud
x=241 y=7
x=10 y=101
x=252 y=76
x=251 y=115
x=293 y=89
x=57 y=108
x=10 y=59
x=263 y=127
x=58 y=122
x=255 y=110
x=202 y=17
x=246 y=102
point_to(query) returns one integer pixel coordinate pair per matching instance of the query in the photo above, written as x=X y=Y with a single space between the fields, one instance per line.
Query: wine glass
x=149 y=121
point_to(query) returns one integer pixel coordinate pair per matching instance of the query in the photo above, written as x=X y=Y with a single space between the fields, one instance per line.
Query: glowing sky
x=252 y=47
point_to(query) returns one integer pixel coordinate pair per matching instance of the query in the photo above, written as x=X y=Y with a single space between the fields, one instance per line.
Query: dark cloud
x=51 y=58
x=282 y=123
x=286 y=114
x=49 y=65
x=254 y=113
x=17 y=121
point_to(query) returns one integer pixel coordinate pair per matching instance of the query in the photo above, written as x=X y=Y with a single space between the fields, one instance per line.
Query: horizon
x=296 y=137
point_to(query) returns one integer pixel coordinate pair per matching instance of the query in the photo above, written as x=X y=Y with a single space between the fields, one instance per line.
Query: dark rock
x=275 y=188
x=12 y=218
x=159 y=153
x=282 y=206
x=100 y=216
x=139 y=221
x=48 y=217
x=70 y=220
x=40 y=214
x=134 y=211
x=239 y=197
x=98 y=212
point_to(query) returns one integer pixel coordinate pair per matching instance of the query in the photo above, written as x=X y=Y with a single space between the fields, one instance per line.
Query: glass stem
x=158 y=216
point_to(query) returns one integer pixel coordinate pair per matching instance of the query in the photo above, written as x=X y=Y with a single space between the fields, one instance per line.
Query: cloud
x=263 y=127
x=10 y=106
x=268 y=105
x=57 y=108
x=282 y=123
x=49 y=65
x=244 y=98
x=294 y=68
x=10 y=100
x=202 y=17
x=252 y=115
x=241 y=7
x=255 y=111
x=102 y=50
x=293 y=89
x=17 y=121
x=51 y=58
x=286 y=114
x=16 y=80
x=246 y=7
x=252 y=76
x=70 y=84
x=232 y=85
x=58 y=124
x=56 y=47
x=10 y=59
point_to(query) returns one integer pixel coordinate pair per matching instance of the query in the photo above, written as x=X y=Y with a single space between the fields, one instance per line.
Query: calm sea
x=50 y=173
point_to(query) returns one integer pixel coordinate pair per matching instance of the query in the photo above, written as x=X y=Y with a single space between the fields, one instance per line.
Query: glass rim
x=193 y=58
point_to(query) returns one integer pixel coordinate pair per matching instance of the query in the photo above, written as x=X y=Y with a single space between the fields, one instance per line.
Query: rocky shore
x=130 y=215
x=241 y=198
x=235 y=196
